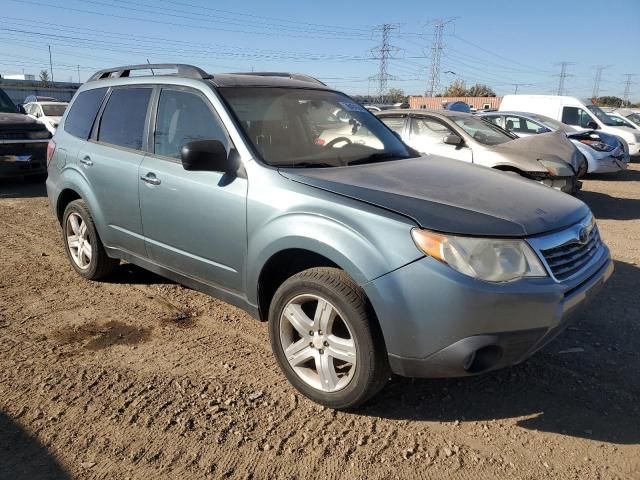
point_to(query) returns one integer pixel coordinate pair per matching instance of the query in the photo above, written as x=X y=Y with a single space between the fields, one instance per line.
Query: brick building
x=436 y=103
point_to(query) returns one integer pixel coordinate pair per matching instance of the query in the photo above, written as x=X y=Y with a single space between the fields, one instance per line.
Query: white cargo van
x=572 y=111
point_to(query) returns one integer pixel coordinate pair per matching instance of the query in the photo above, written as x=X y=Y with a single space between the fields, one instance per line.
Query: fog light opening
x=482 y=359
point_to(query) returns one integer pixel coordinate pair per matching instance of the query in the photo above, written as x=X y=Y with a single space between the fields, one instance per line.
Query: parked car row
x=572 y=111
x=549 y=159
x=292 y=201
x=603 y=152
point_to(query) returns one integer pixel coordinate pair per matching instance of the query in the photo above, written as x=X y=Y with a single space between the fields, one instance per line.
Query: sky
x=498 y=43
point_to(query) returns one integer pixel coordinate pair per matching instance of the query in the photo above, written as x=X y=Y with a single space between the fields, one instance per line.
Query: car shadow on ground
x=23 y=457
x=621 y=176
x=606 y=207
x=583 y=384
x=20 y=188
x=128 y=273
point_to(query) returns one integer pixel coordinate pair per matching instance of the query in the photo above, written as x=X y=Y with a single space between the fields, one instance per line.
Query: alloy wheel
x=317 y=343
x=78 y=240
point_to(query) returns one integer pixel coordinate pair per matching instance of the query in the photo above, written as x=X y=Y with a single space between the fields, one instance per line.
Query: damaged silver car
x=550 y=159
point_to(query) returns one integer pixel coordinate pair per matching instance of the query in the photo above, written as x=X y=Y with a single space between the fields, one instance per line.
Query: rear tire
x=341 y=366
x=84 y=248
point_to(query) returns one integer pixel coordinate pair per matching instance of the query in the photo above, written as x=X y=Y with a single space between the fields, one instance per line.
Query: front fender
x=364 y=253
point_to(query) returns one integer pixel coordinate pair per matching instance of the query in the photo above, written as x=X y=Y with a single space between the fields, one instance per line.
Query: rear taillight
x=51 y=148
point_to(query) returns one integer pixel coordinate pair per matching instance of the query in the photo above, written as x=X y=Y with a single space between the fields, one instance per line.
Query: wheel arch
x=282 y=265
x=75 y=187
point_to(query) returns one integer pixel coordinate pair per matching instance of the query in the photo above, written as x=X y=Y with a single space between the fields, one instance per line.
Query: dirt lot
x=138 y=377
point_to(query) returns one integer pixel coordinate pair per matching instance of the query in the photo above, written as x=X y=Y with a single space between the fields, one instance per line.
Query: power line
x=498 y=55
x=436 y=55
x=516 y=85
x=384 y=53
x=562 y=76
x=274 y=30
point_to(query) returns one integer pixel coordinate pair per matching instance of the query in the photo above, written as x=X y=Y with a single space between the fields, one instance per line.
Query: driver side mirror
x=453 y=139
x=205 y=155
x=592 y=125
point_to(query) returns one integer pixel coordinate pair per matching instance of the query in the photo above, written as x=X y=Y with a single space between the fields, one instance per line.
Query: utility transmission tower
x=596 y=80
x=436 y=55
x=384 y=53
x=50 y=63
x=516 y=85
x=562 y=76
x=627 y=87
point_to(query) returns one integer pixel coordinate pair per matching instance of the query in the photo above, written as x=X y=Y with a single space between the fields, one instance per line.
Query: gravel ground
x=138 y=377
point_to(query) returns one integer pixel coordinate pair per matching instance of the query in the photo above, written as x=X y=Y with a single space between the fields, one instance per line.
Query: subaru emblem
x=583 y=236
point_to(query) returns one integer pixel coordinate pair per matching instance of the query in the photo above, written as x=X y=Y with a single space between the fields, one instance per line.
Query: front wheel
x=326 y=340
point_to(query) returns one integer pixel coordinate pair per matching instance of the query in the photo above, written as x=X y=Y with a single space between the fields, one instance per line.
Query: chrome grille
x=568 y=259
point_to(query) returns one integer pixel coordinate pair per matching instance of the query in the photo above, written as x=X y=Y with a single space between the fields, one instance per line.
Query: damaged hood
x=545 y=145
x=450 y=196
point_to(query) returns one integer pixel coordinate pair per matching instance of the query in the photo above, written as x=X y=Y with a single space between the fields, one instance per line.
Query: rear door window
x=123 y=118
x=83 y=112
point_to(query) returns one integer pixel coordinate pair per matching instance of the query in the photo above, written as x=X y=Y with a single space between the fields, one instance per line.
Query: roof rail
x=181 y=69
x=294 y=76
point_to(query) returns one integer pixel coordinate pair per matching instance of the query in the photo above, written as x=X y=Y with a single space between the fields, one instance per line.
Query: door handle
x=151 y=179
x=86 y=161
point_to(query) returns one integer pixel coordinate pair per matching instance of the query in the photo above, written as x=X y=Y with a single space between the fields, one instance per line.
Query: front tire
x=326 y=339
x=84 y=248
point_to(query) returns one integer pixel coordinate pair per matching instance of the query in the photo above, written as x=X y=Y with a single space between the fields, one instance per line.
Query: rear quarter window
x=83 y=112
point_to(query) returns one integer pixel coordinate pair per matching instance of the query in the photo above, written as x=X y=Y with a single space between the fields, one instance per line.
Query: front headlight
x=598 y=145
x=557 y=168
x=488 y=259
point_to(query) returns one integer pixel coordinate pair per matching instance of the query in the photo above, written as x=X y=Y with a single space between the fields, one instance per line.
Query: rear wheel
x=82 y=243
x=326 y=339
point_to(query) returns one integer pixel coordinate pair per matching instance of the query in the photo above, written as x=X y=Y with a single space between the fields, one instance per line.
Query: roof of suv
x=248 y=79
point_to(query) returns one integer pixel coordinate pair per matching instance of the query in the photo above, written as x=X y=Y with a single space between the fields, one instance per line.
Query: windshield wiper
x=377 y=157
x=308 y=165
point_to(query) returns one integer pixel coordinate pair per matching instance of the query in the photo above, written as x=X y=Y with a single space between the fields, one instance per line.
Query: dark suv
x=23 y=142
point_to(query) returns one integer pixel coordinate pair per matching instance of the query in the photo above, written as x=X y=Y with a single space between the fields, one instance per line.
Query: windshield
x=295 y=127
x=55 y=110
x=635 y=118
x=549 y=122
x=481 y=131
x=6 y=105
x=600 y=115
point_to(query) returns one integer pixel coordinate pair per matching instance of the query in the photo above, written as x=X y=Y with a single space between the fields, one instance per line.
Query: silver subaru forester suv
x=364 y=257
